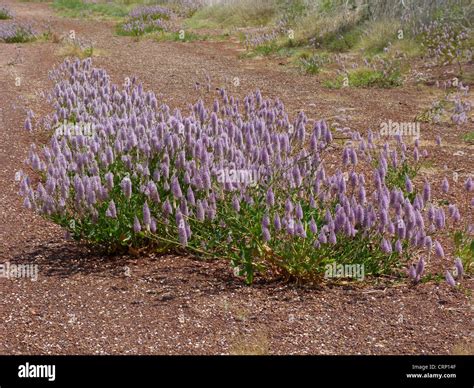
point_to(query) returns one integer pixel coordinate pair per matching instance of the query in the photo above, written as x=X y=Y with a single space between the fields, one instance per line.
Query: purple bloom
x=450 y=280
x=266 y=234
x=398 y=246
x=28 y=125
x=126 y=186
x=428 y=243
x=438 y=249
x=182 y=233
x=459 y=268
x=469 y=184
x=236 y=203
x=136 y=225
x=111 y=210
x=176 y=188
x=109 y=179
x=408 y=184
x=146 y=215
x=420 y=267
x=386 y=246
x=167 y=209
x=299 y=211
x=200 y=211
x=277 y=222
x=426 y=192
x=445 y=186
x=270 y=197
x=153 y=225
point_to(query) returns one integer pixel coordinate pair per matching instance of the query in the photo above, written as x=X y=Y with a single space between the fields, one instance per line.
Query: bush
x=16 y=33
x=145 y=19
x=5 y=13
x=239 y=182
x=314 y=63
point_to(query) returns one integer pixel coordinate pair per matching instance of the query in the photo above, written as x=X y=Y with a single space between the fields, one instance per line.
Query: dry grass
x=254 y=344
x=463 y=349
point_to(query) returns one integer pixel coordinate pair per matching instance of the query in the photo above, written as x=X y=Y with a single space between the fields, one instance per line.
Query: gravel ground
x=85 y=302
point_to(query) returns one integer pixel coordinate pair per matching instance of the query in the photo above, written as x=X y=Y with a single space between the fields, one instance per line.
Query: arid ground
x=85 y=302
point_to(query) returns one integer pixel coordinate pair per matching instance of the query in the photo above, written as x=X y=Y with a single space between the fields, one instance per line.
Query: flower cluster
x=446 y=42
x=5 y=13
x=238 y=180
x=455 y=105
x=261 y=38
x=146 y=19
x=16 y=33
x=150 y=12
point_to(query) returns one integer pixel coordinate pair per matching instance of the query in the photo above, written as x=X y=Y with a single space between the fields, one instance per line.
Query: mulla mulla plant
x=148 y=175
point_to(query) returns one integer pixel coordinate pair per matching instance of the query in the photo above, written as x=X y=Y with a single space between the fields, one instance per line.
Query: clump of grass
x=256 y=345
x=77 y=48
x=180 y=36
x=464 y=249
x=469 y=137
x=341 y=40
x=5 y=13
x=313 y=64
x=244 y=13
x=80 y=8
x=364 y=77
x=378 y=35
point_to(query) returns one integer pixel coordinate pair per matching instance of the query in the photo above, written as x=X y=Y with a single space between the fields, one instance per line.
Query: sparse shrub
x=314 y=63
x=146 y=19
x=366 y=77
x=5 y=13
x=236 y=181
x=16 y=33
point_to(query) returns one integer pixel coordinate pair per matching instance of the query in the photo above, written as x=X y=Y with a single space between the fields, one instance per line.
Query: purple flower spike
x=182 y=233
x=176 y=188
x=126 y=186
x=270 y=198
x=438 y=249
x=236 y=203
x=136 y=225
x=386 y=246
x=412 y=272
x=408 y=184
x=420 y=267
x=398 y=246
x=426 y=192
x=459 y=268
x=266 y=234
x=146 y=215
x=450 y=280
x=277 y=222
x=469 y=184
x=28 y=125
x=111 y=210
x=299 y=211
x=445 y=186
